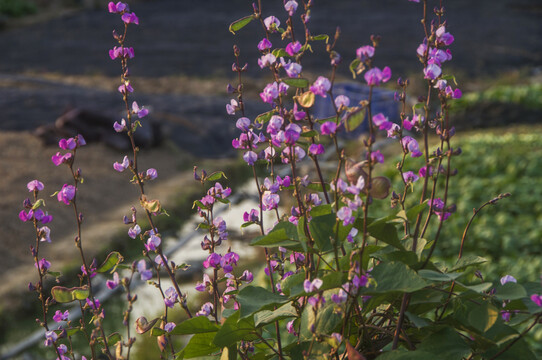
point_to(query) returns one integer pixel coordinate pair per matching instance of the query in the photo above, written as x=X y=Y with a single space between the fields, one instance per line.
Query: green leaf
x=283 y=234
x=445 y=344
x=474 y=316
x=296 y=280
x=38 y=203
x=468 y=260
x=437 y=276
x=235 y=329
x=62 y=294
x=278 y=53
x=385 y=232
x=152 y=206
x=396 y=277
x=355 y=67
x=200 y=345
x=195 y=325
x=265 y=117
x=268 y=316
x=113 y=339
x=296 y=82
x=418 y=321
x=406 y=355
x=254 y=298
x=309 y=134
x=477 y=288
x=241 y=23
x=333 y=280
x=355 y=118
x=217 y=175
x=320 y=37
x=510 y=291
x=325 y=322
x=321 y=229
x=306 y=99
x=111 y=262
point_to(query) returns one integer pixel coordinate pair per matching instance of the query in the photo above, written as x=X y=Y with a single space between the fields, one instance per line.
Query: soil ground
x=183 y=56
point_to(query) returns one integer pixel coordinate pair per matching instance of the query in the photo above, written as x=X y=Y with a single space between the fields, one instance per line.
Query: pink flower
x=66 y=194
x=365 y=52
x=328 y=128
x=130 y=18
x=432 y=71
x=321 y=86
x=270 y=93
x=271 y=23
x=120 y=167
x=409 y=176
x=293 y=48
x=312 y=286
x=59 y=158
x=537 y=299
x=264 y=44
x=375 y=76
x=141 y=112
x=291 y=7
x=34 y=185
x=266 y=60
x=59 y=316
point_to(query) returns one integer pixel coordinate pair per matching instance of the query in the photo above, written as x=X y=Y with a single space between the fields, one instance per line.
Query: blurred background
x=56 y=78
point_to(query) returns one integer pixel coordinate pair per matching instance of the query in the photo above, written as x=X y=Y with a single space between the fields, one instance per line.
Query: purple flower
x=345 y=214
x=271 y=23
x=508 y=278
x=375 y=76
x=120 y=167
x=321 y=86
x=423 y=171
x=44 y=234
x=293 y=48
x=66 y=194
x=59 y=158
x=292 y=134
x=243 y=124
x=270 y=93
x=443 y=37
x=247 y=276
x=377 y=156
x=328 y=128
x=250 y=157
x=213 y=261
x=364 y=53
x=126 y=87
x=93 y=304
x=537 y=299
x=120 y=127
x=121 y=52
x=253 y=216
x=411 y=145
x=25 y=216
x=409 y=176
x=316 y=149
x=270 y=201
x=59 y=316
x=34 y=185
x=206 y=309
x=342 y=101
x=130 y=18
x=153 y=242
x=112 y=284
x=312 y=286
x=143 y=271
x=350 y=237
x=134 y=231
x=171 y=297
x=358 y=282
x=292 y=69
x=290 y=328
x=264 y=44
x=117 y=8
x=141 y=112
x=275 y=124
x=437 y=206
x=291 y=7
x=432 y=71
x=50 y=337
x=43 y=265
x=169 y=327
x=266 y=60
x=228 y=260
x=152 y=174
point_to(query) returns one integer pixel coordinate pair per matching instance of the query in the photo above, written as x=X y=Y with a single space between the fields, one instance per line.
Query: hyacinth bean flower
x=34 y=185
x=112 y=284
x=409 y=176
x=153 y=242
x=328 y=128
x=292 y=69
x=266 y=60
x=121 y=52
x=120 y=167
x=316 y=149
x=321 y=86
x=537 y=299
x=290 y=6
x=120 y=127
x=375 y=76
x=364 y=53
x=143 y=271
x=342 y=101
x=60 y=158
x=264 y=44
x=206 y=309
x=169 y=327
x=66 y=194
x=61 y=316
x=151 y=174
x=140 y=111
x=312 y=286
x=130 y=18
x=270 y=93
x=117 y=8
x=271 y=23
x=171 y=297
x=293 y=48
x=432 y=71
